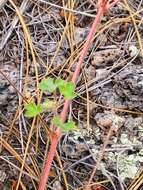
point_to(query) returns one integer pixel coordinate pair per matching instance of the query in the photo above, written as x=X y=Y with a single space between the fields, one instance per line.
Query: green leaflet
x=48 y=85
x=67 y=89
x=65 y=127
x=33 y=110
x=69 y=126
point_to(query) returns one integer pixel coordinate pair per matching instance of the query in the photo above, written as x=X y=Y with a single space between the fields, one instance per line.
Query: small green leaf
x=69 y=126
x=33 y=110
x=48 y=104
x=48 y=85
x=57 y=121
x=68 y=90
x=65 y=127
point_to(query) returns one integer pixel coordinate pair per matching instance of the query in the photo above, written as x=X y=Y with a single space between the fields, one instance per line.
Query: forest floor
x=109 y=93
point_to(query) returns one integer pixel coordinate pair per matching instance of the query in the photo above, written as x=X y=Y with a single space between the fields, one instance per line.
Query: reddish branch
x=103 y=7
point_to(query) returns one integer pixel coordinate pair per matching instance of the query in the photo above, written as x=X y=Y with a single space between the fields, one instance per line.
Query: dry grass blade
x=16 y=155
x=28 y=37
x=63 y=173
x=25 y=153
x=94 y=105
x=100 y=157
x=34 y=60
x=135 y=25
x=6 y=37
x=17 y=168
x=137 y=182
x=68 y=9
x=2 y=3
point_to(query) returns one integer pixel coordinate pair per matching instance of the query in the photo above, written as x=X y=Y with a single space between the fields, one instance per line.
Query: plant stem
x=63 y=116
x=48 y=163
x=55 y=139
x=87 y=44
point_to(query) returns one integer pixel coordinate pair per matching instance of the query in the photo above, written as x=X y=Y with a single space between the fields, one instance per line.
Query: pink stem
x=55 y=139
x=65 y=110
x=87 y=45
x=63 y=116
x=48 y=163
x=81 y=59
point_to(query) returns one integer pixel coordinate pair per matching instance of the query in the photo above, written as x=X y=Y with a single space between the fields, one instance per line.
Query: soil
x=110 y=93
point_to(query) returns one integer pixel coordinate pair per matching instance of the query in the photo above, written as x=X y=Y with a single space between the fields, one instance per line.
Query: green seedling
x=67 y=89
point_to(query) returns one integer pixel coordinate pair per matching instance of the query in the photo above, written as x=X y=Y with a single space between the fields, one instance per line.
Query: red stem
x=87 y=44
x=48 y=163
x=55 y=139
x=63 y=116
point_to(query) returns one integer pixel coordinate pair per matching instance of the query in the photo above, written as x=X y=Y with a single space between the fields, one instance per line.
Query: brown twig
x=100 y=157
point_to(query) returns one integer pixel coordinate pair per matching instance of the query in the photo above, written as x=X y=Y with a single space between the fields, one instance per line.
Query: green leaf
x=69 y=126
x=57 y=121
x=65 y=127
x=33 y=110
x=48 y=85
x=48 y=104
x=68 y=90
